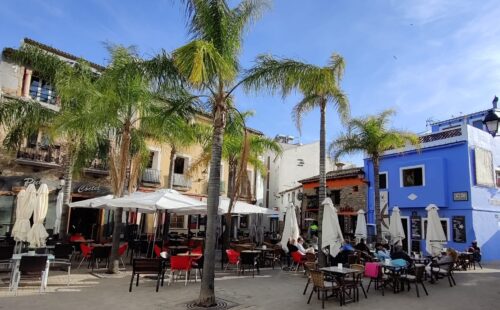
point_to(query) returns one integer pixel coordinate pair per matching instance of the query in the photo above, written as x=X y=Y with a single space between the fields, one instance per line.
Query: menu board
x=416 y=227
x=459 y=234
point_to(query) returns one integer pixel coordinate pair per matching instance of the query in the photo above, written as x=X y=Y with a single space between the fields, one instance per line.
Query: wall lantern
x=492 y=119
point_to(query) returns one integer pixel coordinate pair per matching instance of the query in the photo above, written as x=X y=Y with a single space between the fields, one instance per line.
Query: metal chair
x=30 y=266
x=417 y=278
x=6 y=253
x=63 y=254
x=100 y=253
x=322 y=287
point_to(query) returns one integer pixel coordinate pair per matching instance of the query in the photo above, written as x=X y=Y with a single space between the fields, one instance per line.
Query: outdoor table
x=263 y=253
x=395 y=274
x=254 y=254
x=175 y=241
x=194 y=255
x=177 y=248
x=16 y=260
x=340 y=274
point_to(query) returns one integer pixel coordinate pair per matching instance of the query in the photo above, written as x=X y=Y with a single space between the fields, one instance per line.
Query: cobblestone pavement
x=272 y=289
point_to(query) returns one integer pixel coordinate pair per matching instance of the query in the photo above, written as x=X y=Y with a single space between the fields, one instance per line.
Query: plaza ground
x=272 y=289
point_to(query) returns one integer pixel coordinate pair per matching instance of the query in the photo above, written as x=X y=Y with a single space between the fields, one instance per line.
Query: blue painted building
x=458 y=169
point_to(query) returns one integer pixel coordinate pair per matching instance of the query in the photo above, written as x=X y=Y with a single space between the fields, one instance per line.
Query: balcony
x=181 y=181
x=97 y=167
x=151 y=176
x=45 y=156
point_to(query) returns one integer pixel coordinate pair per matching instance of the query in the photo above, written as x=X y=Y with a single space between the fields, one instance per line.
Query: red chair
x=197 y=250
x=233 y=258
x=157 y=250
x=76 y=237
x=121 y=251
x=86 y=253
x=179 y=264
x=298 y=260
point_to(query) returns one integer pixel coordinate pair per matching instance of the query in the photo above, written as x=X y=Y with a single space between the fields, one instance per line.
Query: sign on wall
x=416 y=227
x=459 y=234
x=460 y=196
x=484 y=167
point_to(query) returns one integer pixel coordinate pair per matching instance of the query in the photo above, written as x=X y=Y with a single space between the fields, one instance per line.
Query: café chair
x=417 y=278
x=322 y=287
x=30 y=267
x=150 y=266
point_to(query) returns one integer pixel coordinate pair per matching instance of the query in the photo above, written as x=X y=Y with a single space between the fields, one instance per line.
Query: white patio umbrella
x=331 y=233
x=291 y=229
x=26 y=200
x=396 y=227
x=38 y=235
x=59 y=204
x=360 y=232
x=434 y=237
x=241 y=207
x=92 y=203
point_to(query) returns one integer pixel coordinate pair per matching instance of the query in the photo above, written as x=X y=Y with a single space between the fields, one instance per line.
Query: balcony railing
x=151 y=176
x=48 y=156
x=181 y=181
x=97 y=167
x=222 y=188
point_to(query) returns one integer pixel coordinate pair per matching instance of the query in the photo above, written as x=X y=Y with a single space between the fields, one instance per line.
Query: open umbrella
x=37 y=235
x=241 y=207
x=59 y=204
x=360 y=232
x=396 y=227
x=331 y=234
x=291 y=230
x=434 y=237
x=26 y=200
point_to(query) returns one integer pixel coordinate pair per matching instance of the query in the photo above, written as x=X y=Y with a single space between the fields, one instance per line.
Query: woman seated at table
x=381 y=252
x=442 y=263
x=400 y=254
x=301 y=249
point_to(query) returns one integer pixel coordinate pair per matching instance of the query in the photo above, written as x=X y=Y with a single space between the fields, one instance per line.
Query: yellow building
x=40 y=161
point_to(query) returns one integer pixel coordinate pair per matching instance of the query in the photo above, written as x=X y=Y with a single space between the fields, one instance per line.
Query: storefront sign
x=460 y=196
x=34 y=181
x=90 y=189
x=459 y=234
x=416 y=227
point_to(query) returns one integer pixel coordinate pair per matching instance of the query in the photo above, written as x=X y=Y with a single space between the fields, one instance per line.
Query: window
x=412 y=176
x=32 y=140
x=335 y=196
x=42 y=91
x=179 y=164
x=177 y=221
x=382 y=180
x=445 y=223
x=151 y=159
x=6 y=209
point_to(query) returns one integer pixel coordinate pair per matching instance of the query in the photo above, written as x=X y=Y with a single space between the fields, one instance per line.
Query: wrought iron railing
x=40 y=154
x=151 y=176
x=181 y=180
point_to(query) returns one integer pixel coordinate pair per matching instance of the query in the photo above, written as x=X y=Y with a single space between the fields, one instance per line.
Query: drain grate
x=221 y=304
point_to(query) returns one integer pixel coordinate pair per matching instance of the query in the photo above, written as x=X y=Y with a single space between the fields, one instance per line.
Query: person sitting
x=347 y=247
x=400 y=254
x=476 y=251
x=292 y=246
x=315 y=242
x=361 y=246
x=381 y=252
x=343 y=256
x=442 y=263
x=300 y=247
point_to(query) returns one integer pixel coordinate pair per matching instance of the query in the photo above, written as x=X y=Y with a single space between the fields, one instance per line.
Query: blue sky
x=428 y=59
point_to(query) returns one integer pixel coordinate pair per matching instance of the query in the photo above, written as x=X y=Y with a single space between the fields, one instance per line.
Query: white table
x=16 y=260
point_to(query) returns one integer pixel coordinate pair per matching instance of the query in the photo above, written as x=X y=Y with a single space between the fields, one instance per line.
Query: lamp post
x=492 y=119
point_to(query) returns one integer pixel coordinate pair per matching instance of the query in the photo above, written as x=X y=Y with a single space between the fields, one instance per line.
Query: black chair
x=31 y=267
x=6 y=253
x=197 y=265
x=248 y=259
x=443 y=270
x=417 y=278
x=63 y=254
x=150 y=266
x=100 y=253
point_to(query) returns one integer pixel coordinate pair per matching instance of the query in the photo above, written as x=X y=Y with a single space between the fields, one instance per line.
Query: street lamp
x=492 y=119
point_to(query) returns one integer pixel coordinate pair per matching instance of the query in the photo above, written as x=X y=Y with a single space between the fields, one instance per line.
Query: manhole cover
x=220 y=304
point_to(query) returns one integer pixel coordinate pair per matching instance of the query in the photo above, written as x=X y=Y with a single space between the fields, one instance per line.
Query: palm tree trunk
x=376 y=187
x=207 y=292
x=322 y=178
x=170 y=184
x=119 y=187
x=68 y=180
x=231 y=191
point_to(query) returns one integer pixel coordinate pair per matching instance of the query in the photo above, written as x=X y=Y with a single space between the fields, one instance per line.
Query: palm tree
x=319 y=87
x=210 y=64
x=372 y=136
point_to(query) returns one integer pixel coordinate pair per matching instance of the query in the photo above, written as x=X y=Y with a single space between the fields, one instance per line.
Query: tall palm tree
x=372 y=136
x=210 y=63
x=319 y=86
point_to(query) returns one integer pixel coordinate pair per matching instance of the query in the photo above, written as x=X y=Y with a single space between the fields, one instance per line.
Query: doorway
x=405 y=220
x=84 y=221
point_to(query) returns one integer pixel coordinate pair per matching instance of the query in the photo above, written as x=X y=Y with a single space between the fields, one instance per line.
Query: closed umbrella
x=25 y=203
x=434 y=237
x=396 y=227
x=291 y=230
x=37 y=235
x=360 y=232
x=331 y=233
x=59 y=204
